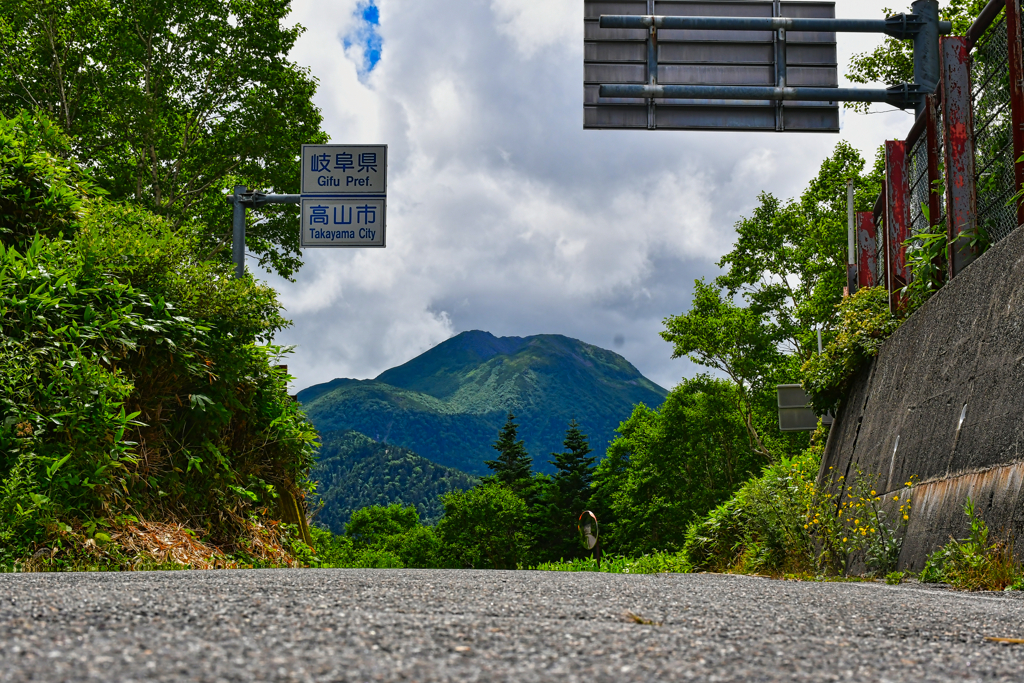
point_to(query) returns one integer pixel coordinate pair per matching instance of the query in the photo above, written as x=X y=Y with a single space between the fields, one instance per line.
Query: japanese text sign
x=344 y=169
x=342 y=222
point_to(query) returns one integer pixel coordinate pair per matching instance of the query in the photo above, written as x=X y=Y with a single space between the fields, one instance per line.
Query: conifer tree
x=513 y=464
x=568 y=495
x=575 y=470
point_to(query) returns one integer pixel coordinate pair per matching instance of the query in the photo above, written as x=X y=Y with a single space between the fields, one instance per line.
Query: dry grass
x=160 y=543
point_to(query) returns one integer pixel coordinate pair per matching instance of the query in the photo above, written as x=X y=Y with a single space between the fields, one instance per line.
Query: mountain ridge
x=448 y=403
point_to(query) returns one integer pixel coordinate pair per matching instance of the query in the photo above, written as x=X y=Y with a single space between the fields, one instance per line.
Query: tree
x=788 y=265
x=564 y=497
x=135 y=378
x=483 y=528
x=169 y=103
x=676 y=463
x=575 y=471
x=370 y=526
x=513 y=464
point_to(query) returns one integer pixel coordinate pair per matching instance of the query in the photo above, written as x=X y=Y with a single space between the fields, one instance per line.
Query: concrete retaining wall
x=944 y=400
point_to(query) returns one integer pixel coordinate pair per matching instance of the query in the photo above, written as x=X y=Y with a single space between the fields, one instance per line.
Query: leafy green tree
x=892 y=62
x=735 y=340
x=788 y=266
x=370 y=526
x=513 y=465
x=483 y=528
x=170 y=102
x=39 y=193
x=392 y=531
x=680 y=461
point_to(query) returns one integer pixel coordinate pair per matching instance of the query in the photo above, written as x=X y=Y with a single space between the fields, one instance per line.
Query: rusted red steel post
x=932 y=141
x=867 y=249
x=1013 y=32
x=897 y=219
x=958 y=129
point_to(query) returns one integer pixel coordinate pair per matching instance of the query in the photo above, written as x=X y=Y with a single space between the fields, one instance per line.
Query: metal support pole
x=1016 y=50
x=926 y=49
x=897 y=220
x=902 y=26
x=238 y=231
x=780 y=65
x=902 y=96
x=652 y=68
x=867 y=249
x=957 y=129
x=934 y=198
x=241 y=199
x=851 y=240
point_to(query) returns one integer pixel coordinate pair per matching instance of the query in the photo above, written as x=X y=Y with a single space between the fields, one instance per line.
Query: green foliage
x=657 y=563
x=372 y=525
x=761 y=529
x=788 y=265
x=448 y=404
x=169 y=102
x=783 y=522
x=136 y=379
x=974 y=563
x=927 y=254
x=512 y=467
x=894 y=578
x=484 y=527
x=892 y=62
x=337 y=552
x=38 y=193
x=926 y=258
x=864 y=324
x=354 y=471
x=735 y=340
x=567 y=496
x=675 y=464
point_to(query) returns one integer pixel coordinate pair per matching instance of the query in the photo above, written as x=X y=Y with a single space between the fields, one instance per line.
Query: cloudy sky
x=503 y=213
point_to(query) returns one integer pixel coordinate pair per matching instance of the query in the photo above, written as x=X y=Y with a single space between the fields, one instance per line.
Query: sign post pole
x=851 y=241
x=238 y=231
x=343 y=201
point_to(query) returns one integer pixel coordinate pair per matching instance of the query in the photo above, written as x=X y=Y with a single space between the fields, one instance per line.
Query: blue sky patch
x=366 y=36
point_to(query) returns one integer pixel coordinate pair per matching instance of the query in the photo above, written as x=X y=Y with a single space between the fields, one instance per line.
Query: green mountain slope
x=448 y=403
x=354 y=471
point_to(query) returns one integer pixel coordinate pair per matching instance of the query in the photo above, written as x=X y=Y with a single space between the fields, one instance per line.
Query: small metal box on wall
x=736 y=58
x=795 y=414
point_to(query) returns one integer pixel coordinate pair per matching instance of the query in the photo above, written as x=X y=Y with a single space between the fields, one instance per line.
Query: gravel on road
x=442 y=625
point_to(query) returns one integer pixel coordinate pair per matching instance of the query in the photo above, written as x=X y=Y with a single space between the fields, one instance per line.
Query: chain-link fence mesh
x=993 y=132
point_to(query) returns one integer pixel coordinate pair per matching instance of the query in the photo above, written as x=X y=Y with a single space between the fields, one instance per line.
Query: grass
x=657 y=563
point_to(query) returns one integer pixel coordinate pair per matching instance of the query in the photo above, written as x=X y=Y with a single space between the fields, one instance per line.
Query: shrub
x=137 y=381
x=40 y=193
x=338 y=552
x=483 y=528
x=864 y=324
x=973 y=563
x=783 y=522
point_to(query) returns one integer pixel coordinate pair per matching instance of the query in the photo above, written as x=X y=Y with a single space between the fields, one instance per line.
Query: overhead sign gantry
x=737 y=64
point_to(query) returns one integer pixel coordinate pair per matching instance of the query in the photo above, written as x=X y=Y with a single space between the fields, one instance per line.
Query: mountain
x=449 y=403
x=354 y=471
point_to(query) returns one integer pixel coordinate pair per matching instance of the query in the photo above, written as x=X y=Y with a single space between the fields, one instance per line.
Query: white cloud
x=537 y=24
x=503 y=214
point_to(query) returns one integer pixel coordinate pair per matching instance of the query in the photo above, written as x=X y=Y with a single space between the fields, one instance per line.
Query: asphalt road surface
x=425 y=625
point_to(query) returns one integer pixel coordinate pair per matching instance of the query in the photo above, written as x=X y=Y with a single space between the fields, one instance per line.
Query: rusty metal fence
x=993 y=131
x=958 y=166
